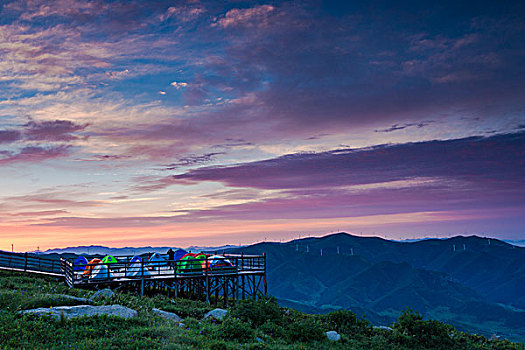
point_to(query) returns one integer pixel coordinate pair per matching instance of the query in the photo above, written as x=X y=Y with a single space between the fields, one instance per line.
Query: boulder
x=101 y=294
x=333 y=336
x=384 y=328
x=217 y=314
x=167 y=315
x=83 y=311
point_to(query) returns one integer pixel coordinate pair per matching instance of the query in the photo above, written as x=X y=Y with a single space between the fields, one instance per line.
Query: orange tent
x=89 y=267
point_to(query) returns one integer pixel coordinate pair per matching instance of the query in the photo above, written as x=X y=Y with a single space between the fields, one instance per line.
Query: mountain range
x=474 y=283
x=471 y=282
x=102 y=250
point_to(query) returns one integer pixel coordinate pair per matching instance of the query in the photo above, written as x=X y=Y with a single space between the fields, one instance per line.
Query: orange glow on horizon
x=28 y=238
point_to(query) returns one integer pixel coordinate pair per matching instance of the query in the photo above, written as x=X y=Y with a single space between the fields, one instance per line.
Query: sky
x=177 y=123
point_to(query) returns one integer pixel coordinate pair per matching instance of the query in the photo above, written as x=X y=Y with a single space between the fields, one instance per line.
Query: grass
x=259 y=324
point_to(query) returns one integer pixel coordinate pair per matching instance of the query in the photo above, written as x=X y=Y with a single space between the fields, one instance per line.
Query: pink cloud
x=35 y=154
x=255 y=16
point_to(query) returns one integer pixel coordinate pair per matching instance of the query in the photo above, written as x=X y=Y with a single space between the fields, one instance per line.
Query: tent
x=156 y=261
x=216 y=262
x=91 y=264
x=80 y=264
x=136 y=258
x=179 y=253
x=101 y=272
x=135 y=270
x=189 y=263
x=109 y=259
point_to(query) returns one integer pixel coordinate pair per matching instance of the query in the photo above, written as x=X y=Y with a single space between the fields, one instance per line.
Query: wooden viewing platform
x=243 y=277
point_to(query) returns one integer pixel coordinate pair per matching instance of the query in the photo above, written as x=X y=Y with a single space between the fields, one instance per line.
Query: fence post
x=207 y=280
x=264 y=276
x=25 y=261
x=142 y=278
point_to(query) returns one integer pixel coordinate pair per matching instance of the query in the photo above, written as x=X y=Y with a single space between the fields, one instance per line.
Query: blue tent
x=80 y=264
x=179 y=253
x=136 y=258
x=155 y=261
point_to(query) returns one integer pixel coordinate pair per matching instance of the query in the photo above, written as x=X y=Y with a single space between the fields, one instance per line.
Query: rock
x=384 y=328
x=333 y=336
x=182 y=325
x=167 y=315
x=101 y=294
x=83 y=310
x=66 y=297
x=259 y=340
x=217 y=314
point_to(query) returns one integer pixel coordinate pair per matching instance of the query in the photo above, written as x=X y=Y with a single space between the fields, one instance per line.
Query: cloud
x=255 y=16
x=52 y=130
x=193 y=160
x=179 y=85
x=485 y=161
x=34 y=154
x=8 y=136
x=396 y=127
x=182 y=13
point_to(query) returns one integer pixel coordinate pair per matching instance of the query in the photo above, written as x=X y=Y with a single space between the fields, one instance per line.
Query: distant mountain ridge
x=102 y=250
x=472 y=282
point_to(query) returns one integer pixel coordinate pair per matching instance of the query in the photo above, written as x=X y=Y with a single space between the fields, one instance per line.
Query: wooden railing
x=30 y=263
x=125 y=269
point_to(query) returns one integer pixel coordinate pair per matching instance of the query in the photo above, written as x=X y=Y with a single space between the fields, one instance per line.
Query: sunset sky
x=177 y=123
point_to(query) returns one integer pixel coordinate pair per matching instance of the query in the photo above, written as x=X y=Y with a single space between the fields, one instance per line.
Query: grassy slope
x=280 y=328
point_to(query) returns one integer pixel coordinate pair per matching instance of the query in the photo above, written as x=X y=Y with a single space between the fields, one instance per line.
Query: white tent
x=101 y=272
x=134 y=270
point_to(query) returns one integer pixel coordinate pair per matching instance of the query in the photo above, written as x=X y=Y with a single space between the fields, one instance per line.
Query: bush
x=305 y=330
x=411 y=330
x=220 y=345
x=346 y=322
x=234 y=328
x=258 y=312
x=273 y=330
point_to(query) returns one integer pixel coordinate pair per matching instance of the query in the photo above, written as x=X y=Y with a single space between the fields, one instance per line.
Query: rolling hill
x=474 y=283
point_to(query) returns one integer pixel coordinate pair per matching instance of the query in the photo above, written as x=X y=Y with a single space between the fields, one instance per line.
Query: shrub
x=305 y=330
x=273 y=330
x=220 y=345
x=258 y=312
x=411 y=330
x=346 y=322
x=234 y=328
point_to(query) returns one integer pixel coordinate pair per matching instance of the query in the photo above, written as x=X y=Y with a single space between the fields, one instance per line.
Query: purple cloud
x=34 y=154
x=193 y=160
x=487 y=161
x=8 y=136
x=52 y=130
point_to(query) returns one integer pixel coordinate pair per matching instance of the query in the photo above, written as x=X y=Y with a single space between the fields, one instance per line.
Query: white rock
x=84 y=310
x=333 y=336
x=167 y=315
x=217 y=314
x=101 y=294
x=385 y=328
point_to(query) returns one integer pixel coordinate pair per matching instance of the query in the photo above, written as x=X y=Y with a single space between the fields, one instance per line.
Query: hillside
x=259 y=324
x=474 y=283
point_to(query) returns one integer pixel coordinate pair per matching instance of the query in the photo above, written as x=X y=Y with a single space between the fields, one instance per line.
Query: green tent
x=109 y=259
x=189 y=263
